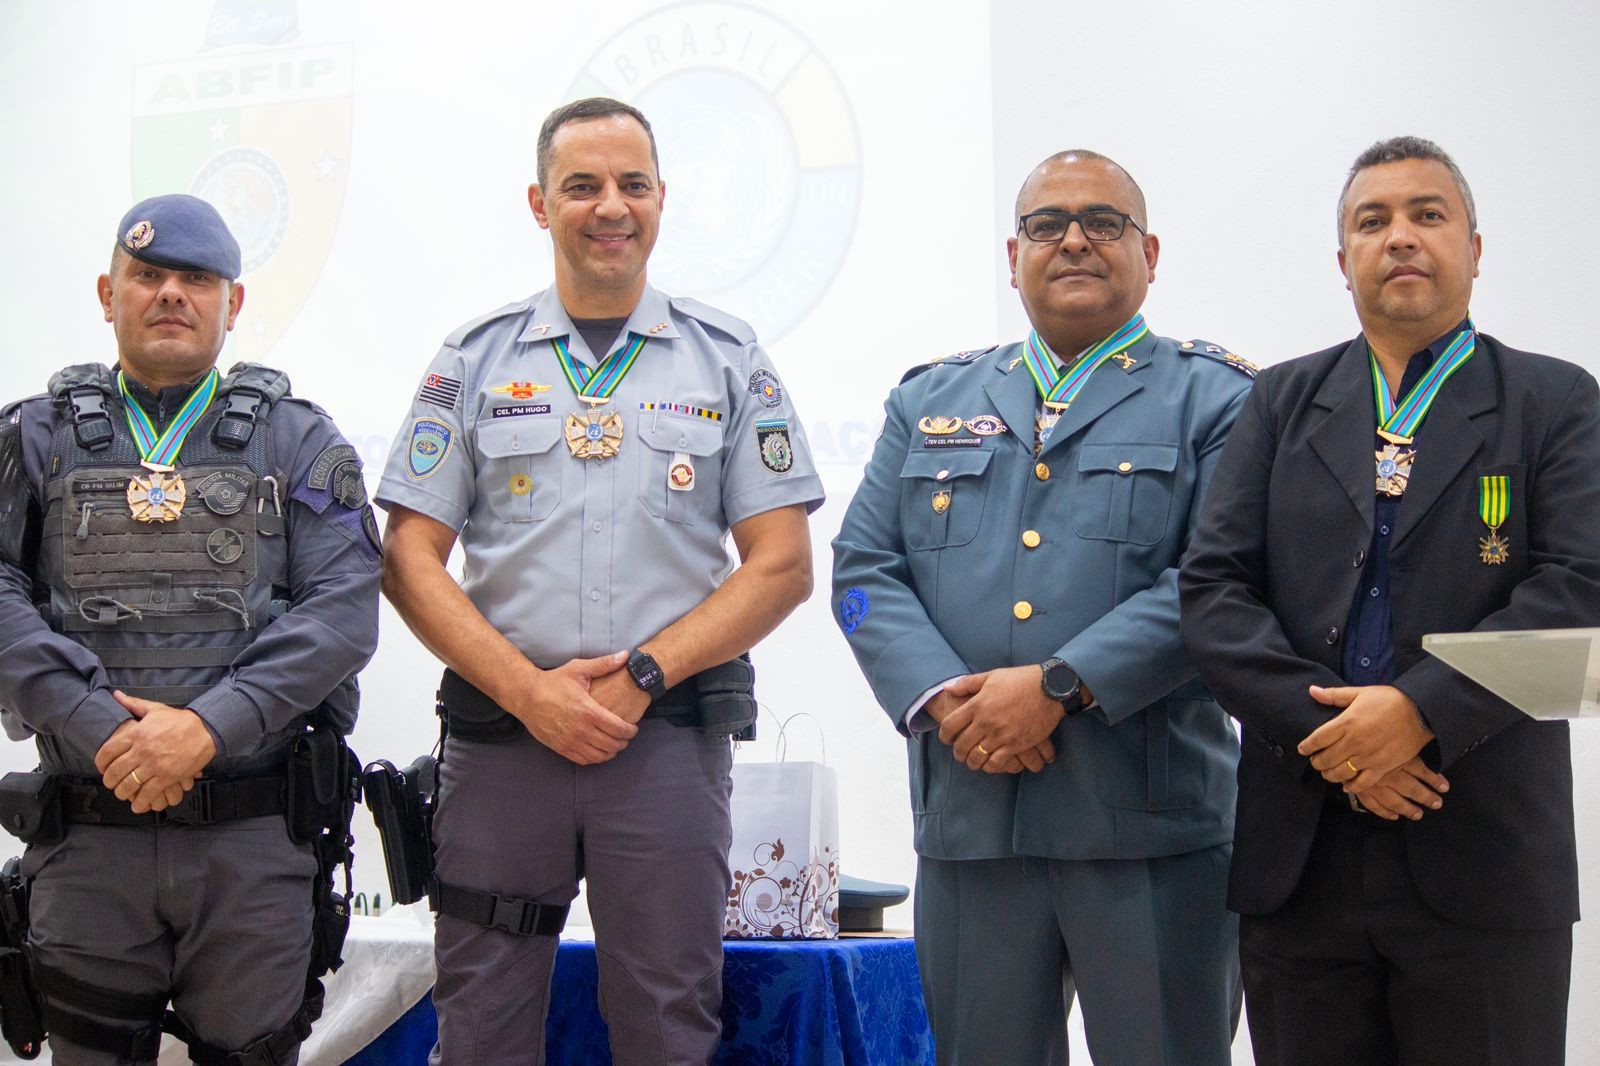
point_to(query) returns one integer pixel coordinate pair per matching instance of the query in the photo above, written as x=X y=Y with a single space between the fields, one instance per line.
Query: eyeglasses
x=1050 y=226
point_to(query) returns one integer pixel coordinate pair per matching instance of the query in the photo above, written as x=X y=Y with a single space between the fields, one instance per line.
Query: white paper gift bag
x=785 y=853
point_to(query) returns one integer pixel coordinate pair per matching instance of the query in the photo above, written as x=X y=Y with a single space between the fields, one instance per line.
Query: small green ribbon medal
x=1058 y=390
x=596 y=434
x=1494 y=504
x=1398 y=424
x=156 y=497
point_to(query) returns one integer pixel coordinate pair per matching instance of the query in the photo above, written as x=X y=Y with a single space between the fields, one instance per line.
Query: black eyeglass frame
x=1069 y=217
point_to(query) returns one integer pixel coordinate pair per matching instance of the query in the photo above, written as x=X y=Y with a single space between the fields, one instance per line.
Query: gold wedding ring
x=135 y=775
x=1352 y=766
x=983 y=749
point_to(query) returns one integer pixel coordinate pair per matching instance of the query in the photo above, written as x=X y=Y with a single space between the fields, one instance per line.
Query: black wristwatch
x=1060 y=683
x=646 y=674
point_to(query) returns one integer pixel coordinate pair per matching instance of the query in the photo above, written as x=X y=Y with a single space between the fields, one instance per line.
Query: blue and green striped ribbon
x=1404 y=420
x=603 y=381
x=1059 y=390
x=1494 y=500
x=163 y=449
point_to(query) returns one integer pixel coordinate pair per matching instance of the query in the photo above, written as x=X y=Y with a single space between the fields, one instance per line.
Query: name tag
x=952 y=442
x=517 y=410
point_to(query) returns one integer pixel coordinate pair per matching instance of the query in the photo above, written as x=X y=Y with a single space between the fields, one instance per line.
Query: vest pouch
x=30 y=808
x=330 y=925
x=321 y=793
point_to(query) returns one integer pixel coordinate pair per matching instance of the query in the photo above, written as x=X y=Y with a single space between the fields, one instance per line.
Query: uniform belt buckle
x=514 y=915
x=195 y=809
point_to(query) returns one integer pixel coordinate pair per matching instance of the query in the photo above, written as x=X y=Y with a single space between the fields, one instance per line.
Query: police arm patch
x=772 y=440
x=430 y=443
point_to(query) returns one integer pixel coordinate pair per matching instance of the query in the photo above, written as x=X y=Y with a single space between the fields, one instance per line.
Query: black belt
x=209 y=802
x=521 y=917
x=472 y=715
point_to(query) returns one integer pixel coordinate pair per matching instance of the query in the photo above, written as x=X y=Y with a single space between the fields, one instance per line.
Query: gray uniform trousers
x=649 y=830
x=219 y=916
x=1001 y=941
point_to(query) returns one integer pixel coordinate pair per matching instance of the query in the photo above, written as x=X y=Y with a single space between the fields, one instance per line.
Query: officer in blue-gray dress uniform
x=188 y=577
x=1006 y=576
x=593 y=447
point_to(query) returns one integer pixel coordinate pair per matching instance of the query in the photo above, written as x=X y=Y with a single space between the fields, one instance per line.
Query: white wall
x=839 y=173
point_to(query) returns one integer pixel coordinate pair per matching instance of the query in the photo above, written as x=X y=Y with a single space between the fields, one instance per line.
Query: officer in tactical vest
x=188 y=586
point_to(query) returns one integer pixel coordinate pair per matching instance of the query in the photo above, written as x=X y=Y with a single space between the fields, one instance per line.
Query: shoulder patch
x=721 y=321
x=966 y=358
x=1217 y=353
x=462 y=332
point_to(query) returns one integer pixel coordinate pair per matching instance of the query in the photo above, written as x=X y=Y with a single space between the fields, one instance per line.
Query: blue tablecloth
x=784 y=1003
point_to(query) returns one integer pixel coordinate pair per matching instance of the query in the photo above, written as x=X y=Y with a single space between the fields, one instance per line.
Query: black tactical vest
x=166 y=605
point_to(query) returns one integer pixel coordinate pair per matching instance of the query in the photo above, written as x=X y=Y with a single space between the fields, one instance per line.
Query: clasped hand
x=1377 y=731
x=998 y=721
x=585 y=710
x=152 y=759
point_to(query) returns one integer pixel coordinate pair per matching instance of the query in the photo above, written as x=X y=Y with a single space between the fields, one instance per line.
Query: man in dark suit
x=1404 y=858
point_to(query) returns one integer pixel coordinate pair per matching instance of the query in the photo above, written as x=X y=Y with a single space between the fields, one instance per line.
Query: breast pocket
x=517 y=469
x=1124 y=491
x=942 y=497
x=680 y=466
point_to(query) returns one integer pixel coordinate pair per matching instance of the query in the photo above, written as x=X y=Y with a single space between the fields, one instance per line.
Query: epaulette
x=737 y=328
x=460 y=335
x=1218 y=353
x=966 y=358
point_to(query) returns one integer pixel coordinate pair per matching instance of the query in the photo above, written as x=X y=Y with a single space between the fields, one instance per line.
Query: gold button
x=1124 y=467
x=1042 y=472
x=1030 y=538
x=941 y=475
x=1023 y=610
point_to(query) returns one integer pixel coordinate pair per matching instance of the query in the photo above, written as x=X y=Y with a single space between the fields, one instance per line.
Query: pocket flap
x=1126 y=458
x=518 y=436
x=950 y=464
x=675 y=433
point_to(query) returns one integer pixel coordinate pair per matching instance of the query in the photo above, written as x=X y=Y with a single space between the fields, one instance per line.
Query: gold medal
x=1492 y=549
x=157 y=496
x=941 y=501
x=594 y=434
x=1393 y=469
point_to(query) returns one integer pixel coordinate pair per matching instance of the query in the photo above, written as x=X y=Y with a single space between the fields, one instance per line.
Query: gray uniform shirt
x=570 y=557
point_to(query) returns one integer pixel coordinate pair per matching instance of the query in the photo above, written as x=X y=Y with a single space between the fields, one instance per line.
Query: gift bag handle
x=782 y=744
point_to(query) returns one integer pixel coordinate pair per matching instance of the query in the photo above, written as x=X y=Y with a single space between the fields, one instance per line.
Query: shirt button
x=941 y=475
x=683 y=442
x=1124 y=467
x=1384 y=530
x=1373 y=592
x=1030 y=538
x=594 y=594
x=1333 y=635
x=1366 y=661
x=1023 y=610
x=1042 y=472
x=1361 y=557
x=598 y=526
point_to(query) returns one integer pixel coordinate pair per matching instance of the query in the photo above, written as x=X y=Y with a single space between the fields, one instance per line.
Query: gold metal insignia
x=941 y=501
x=1492 y=550
x=1124 y=360
x=1393 y=469
x=1242 y=361
x=1013 y=364
x=139 y=235
x=541 y=328
x=520 y=390
x=986 y=426
x=520 y=484
x=157 y=496
x=594 y=434
x=939 y=425
x=658 y=327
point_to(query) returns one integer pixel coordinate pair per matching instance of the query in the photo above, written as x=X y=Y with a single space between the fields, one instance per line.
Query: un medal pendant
x=1492 y=550
x=1393 y=470
x=157 y=496
x=594 y=434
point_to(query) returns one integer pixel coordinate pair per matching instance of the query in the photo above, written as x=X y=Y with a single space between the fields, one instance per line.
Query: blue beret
x=179 y=232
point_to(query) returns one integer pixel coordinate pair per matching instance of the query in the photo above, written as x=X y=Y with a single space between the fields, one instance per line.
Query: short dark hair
x=1397 y=150
x=1072 y=155
x=587 y=110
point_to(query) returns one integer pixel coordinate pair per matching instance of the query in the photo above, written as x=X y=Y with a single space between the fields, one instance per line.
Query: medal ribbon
x=1404 y=420
x=1494 y=500
x=1057 y=389
x=163 y=449
x=604 y=379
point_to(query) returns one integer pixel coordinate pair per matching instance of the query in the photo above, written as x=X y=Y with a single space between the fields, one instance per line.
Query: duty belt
x=210 y=802
x=472 y=715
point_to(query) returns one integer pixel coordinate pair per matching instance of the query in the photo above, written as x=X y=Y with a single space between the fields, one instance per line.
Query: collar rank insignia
x=658 y=327
x=541 y=328
x=939 y=425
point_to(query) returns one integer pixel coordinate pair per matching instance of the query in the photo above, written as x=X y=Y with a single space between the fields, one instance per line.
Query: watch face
x=1060 y=681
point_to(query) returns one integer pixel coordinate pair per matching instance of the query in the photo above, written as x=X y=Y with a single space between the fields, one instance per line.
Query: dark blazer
x=1268 y=582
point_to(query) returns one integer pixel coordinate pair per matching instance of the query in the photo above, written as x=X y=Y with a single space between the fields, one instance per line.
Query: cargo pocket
x=681 y=450
x=517 y=471
x=942 y=497
x=1124 y=491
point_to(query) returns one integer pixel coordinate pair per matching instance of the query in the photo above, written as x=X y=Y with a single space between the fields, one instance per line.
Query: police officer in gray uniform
x=188 y=576
x=1007 y=578
x=592 y=447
